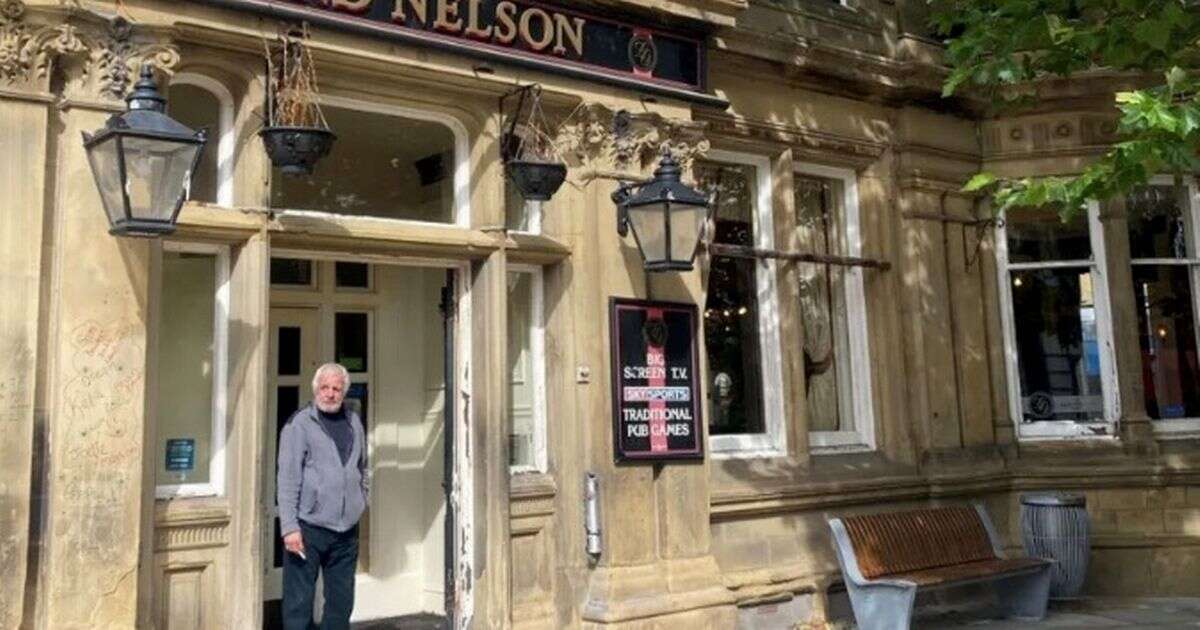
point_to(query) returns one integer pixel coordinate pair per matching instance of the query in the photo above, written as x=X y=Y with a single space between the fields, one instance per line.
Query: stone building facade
x=942 y=357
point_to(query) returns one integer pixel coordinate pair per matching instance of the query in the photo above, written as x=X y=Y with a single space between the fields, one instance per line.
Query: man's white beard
x=329 y=409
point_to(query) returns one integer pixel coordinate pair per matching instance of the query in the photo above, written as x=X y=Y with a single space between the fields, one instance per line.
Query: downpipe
x=591 y=516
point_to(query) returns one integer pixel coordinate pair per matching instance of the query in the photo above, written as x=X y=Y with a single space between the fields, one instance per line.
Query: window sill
x=748 y=453
x=745 y=446
x=1058 y=430
x=186 y=491
x=193 y=510
x=1176 y=429
x=832 y=450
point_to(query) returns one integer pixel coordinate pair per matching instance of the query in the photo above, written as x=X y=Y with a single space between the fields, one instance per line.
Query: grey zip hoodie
x=312 y=484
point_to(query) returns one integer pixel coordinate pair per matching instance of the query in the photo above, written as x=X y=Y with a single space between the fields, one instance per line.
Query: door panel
x=294 y=357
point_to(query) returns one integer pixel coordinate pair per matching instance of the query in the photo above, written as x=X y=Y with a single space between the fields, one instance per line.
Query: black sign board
x=656 y=388
x=521 y=32
x=181 y=454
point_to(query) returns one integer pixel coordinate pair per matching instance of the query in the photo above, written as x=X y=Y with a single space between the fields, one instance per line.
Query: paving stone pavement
x=1143 y=612
x=1152 y=613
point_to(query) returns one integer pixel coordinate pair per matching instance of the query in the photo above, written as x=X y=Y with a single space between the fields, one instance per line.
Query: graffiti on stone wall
x=103 y=391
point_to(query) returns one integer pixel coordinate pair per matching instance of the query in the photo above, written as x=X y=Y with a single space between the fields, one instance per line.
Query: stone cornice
x=849 y=151
x=99 y=54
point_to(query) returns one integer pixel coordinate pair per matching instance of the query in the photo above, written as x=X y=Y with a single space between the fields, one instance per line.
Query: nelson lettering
x=504 y=23
x=528 y=33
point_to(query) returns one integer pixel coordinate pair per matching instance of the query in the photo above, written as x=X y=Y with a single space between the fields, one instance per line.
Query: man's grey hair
x=332 y=368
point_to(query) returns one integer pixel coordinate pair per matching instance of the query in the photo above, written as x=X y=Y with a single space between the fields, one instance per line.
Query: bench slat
x=904 y=542
x=990 y=569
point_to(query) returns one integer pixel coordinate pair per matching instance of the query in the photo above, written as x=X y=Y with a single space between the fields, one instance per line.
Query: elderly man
x=322 y=492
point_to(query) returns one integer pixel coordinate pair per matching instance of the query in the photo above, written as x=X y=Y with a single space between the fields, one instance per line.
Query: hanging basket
x=296 y=150
x=526 y=146
x=296 y=135
x=536 y=181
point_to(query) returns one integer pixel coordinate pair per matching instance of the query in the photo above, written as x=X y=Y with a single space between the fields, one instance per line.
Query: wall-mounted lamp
x=666 y=216
x=142 y=161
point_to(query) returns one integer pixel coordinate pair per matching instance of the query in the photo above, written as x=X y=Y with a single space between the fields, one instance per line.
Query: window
x=837 y=370
x=1166 y=272
x=521 y=215
x=293 y=273
x=352 y=275
x=201 y=102
x=526 y=400
x=741 y=332
x=1056 y=322
x=393 y=164
x=192 y=348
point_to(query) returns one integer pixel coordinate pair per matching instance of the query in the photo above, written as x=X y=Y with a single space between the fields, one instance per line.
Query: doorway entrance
x=388 y=324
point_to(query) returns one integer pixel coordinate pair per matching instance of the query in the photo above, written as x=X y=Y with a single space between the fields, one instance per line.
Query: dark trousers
x=335 y=555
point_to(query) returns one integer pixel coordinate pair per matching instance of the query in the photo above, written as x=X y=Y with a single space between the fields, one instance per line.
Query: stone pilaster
x=1136 y=433
x=98 y=294
x=24 y=120
x=656 y=569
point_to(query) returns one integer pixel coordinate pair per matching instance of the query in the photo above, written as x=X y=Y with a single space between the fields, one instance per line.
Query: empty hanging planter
x=296 y=135
x=531 y=161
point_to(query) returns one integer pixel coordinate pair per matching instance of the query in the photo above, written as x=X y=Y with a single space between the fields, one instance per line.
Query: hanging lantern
x=666 y=217
x=143 y=161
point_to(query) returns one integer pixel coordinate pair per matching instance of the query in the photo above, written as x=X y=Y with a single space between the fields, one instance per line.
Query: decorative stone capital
x=598 y=138
x=100 y=54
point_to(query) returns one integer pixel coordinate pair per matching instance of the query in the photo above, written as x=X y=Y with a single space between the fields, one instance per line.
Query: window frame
x=226 y=136
x=772 y=442
x=1181 y=427
x=862 y=404
x=215 y=486
x=532 y=207
x=461 y=204
x=1105 y=427
x=537 y=367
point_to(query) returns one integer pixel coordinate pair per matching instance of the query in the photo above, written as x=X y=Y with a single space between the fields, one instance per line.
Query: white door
x=389 y=336
x=294 y=356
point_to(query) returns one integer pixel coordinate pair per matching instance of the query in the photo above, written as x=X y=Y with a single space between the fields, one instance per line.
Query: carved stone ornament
x=598 y=138
x=103 y=51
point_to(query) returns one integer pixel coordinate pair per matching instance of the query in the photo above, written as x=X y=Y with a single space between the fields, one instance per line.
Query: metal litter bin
x=1055 y=525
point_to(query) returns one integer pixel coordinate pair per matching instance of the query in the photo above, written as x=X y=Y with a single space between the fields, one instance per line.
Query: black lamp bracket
x=620 y=197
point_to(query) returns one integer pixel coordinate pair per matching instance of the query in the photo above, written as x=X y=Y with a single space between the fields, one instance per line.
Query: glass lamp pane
x=649 y=224
x=185 y=367
x=686 y=223
x=106 y=169
x=158 y=172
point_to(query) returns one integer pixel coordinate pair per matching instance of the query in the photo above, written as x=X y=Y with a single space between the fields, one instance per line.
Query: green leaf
x=1175 y=76
x=979 y=181
x=1153 y=33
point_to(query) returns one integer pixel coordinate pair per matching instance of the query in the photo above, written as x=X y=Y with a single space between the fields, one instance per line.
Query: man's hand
x=294 y=543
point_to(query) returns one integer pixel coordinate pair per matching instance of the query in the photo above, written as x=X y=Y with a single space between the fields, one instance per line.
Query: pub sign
x=656 y=388
x=522 y=32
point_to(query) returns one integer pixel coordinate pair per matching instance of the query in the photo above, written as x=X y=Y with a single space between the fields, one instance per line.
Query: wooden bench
x=886 y=558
